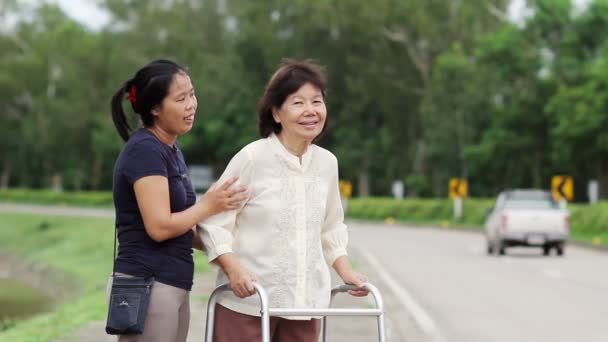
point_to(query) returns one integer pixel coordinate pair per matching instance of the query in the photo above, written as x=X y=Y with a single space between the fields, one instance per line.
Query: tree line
x=419 y=91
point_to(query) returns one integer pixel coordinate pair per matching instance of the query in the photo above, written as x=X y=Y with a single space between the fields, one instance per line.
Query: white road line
x=424 y=320
x=552 y=273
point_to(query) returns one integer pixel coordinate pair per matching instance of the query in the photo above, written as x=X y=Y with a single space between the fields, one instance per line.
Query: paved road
x=458 y=294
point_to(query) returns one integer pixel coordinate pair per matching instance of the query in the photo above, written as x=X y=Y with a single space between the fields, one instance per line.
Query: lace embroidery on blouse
x=284 y=271
x=316 y=198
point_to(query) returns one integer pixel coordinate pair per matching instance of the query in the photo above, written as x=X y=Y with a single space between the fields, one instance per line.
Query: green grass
x=203 y=297
x=429 y=211
x=82 y=249
x=80 y=199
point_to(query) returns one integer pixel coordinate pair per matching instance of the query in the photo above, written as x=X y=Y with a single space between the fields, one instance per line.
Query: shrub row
x=433 y=211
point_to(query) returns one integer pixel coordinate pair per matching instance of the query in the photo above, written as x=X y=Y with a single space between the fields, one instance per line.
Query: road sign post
x=562 y=189
x=346 y=191
x=397 y=189
x=593 y=191
x=458 y=190
x=458 y=207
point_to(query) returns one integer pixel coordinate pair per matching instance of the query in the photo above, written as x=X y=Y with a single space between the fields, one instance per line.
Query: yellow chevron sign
x=562 y=187
x=458 y=187
x=346 y=188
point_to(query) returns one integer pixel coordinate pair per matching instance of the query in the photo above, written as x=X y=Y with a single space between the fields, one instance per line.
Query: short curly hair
x=290 y=76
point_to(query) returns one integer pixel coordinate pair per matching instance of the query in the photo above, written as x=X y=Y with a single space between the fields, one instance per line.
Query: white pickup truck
x=527 y=218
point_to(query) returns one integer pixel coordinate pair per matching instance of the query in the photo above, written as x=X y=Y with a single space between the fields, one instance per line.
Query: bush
x=417 y=185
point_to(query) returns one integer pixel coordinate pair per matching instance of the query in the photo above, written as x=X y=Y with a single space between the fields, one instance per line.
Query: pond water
x=19 y=300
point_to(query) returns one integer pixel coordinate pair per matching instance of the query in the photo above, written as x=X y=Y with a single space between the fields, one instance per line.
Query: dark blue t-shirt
x=170 y=261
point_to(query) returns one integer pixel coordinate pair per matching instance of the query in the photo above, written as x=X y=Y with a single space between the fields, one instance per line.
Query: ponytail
x=118 y=114
x=148 y=87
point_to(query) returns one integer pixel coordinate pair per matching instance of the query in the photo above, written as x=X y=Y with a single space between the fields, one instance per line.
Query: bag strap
x=115 y=238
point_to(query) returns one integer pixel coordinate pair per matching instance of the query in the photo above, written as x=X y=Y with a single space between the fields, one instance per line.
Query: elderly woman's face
x=303 y=113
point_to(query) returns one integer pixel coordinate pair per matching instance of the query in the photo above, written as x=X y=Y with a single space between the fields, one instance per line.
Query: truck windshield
x=521 y=203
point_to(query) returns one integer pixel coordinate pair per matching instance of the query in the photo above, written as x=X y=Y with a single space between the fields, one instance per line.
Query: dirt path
x=56 y=210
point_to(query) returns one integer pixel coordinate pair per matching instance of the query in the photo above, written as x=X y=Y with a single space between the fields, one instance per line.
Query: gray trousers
x=168 y=316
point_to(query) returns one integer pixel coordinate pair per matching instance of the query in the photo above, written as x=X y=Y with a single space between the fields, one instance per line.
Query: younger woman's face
x=175 y=115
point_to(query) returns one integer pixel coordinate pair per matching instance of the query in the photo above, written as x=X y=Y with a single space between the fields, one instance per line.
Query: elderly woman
x=291 y=226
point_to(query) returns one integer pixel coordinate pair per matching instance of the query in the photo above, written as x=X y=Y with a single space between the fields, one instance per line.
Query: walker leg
x=381 y=331
x=264 y=312
x=324 y=329
x=265 y=326
x=211 y=311
x=210 y=319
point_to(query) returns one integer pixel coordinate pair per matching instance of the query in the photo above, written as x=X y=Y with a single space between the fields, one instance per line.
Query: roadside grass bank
x=60 y=198
x=589 y=223
x=81 y=249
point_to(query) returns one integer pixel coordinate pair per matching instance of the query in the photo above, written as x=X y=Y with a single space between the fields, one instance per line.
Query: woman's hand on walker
x=357 y=279
x=224 y=197
x=241 y=282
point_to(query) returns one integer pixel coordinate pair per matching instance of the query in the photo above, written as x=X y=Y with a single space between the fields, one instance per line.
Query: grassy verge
x=589 y=223
x=427 y=211
x=80 y=247
x=79 y=199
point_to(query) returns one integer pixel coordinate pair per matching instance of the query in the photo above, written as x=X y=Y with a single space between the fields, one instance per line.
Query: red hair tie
x=132 y=94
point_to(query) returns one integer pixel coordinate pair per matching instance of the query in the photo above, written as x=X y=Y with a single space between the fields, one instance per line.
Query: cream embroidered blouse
x=288 y=231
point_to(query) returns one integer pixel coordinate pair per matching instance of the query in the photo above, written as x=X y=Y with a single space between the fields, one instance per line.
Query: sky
x=88 y=13
x=84 y=11
x=518 y=12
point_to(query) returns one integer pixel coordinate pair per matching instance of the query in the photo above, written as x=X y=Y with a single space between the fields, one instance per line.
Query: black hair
x=289 y=77
x=146 y=90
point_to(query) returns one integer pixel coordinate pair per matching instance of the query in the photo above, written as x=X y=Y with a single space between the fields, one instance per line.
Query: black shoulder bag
x=129 y=299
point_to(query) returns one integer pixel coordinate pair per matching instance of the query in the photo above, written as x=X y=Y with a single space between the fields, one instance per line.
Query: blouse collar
x=281 y=151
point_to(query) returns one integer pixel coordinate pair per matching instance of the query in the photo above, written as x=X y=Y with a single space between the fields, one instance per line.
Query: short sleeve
x=144 y=159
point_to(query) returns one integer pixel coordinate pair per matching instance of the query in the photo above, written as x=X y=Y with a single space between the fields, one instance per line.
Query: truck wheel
x=560 y=250
x=546 y=250
x=490 y=248
x=501 y=248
